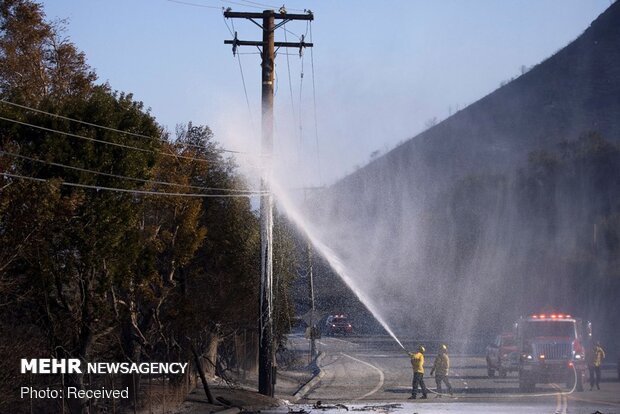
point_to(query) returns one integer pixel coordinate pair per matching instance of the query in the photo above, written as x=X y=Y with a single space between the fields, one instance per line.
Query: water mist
x=330 y=256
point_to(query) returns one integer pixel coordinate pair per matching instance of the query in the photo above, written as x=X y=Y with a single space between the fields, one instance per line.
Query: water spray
x=340 y=269
x=328 y=254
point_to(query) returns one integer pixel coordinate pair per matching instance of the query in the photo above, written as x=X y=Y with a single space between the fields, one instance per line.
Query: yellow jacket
x=441 y=365
x=599 y=356
x=417 y=362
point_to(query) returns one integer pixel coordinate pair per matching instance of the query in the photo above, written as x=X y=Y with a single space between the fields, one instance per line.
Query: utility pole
x=266 y=352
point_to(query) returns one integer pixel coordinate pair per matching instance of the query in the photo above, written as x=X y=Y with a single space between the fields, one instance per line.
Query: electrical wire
x=301 y=85
x=307 y=28
x=258 y=4
x=268 y=5
x=186 y=3
x=240 y=4
x=227 y=26
x=245 y=89
x=276 y=77
x=69 y=134
x=132 y=191
x=246 y=3
x=134 y=134
x=288 y=68
x=288 y=31
x=55 y=164
x=316 y=128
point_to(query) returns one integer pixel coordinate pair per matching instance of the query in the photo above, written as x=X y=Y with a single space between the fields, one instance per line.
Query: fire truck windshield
x=535 y=329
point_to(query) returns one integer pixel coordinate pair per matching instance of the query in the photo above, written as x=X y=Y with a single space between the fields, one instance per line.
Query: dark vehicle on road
x=552 y=349
x=502 y=355
x=338 y=324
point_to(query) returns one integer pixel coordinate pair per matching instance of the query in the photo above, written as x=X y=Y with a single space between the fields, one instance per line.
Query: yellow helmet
x=421 y=349
x=443 y=347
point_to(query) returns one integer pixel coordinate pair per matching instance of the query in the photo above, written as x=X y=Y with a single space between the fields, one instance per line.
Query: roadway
x=365 y=373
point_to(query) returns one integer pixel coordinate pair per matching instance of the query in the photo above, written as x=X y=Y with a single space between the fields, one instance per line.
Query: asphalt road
x=371 y=372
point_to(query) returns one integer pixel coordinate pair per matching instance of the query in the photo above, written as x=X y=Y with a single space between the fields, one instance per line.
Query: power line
x=245 y=89
x=69 y=134
x=301 y=85
x=246 y=3
x=186 y=3
x=288 y=31
x=307 y=28
x=316 y=128
x=134 y=134
x=268 y=5
x=241 y=4
x=75 y=120
x=132 y=191
x=288 y=67
x=259 y=4
x=228 y=27
x=276 y=77
x=70 y=167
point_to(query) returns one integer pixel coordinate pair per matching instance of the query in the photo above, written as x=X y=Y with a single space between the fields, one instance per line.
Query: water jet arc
x=330 y=256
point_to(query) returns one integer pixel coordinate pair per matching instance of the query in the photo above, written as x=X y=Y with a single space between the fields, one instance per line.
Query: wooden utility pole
x=266 y=352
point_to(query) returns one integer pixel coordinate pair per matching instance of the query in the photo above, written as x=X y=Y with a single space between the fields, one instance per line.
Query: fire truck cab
x=552 y=349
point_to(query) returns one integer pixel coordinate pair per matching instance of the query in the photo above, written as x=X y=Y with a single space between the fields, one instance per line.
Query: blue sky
x=382 y=69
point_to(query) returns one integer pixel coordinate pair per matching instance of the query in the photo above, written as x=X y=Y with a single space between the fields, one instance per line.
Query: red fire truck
x=552 y=349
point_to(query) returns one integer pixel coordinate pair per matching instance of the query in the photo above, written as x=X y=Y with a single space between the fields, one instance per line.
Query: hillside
x=439 y=220
x=575 y=90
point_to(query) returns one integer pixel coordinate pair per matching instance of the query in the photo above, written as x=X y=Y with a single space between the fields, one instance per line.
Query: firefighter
x=440 y=369
x=595 y=360
x=417 y=363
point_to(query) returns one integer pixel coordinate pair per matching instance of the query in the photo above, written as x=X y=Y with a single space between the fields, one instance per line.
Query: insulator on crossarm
x=235 y=44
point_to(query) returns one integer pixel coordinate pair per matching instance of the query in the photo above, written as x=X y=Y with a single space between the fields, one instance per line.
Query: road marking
x=558 y=404
x=381 y=376
x=612 y=404
x=561 y=405
x=565 y=398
